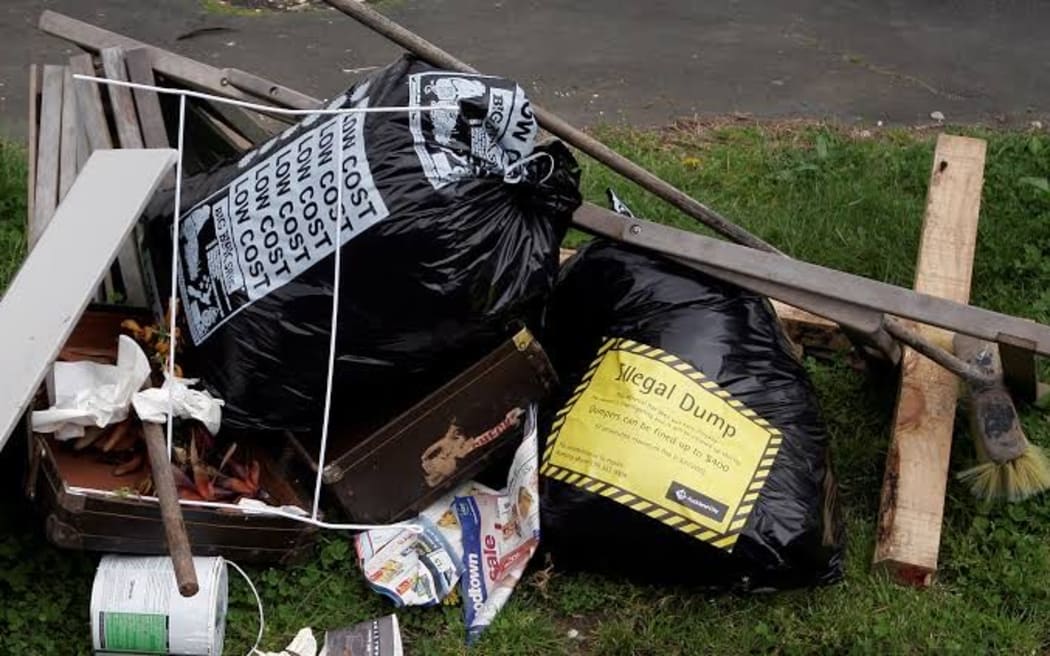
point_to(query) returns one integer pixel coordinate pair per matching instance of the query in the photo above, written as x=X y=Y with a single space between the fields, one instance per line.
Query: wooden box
x=446 y=438
x=85 y=508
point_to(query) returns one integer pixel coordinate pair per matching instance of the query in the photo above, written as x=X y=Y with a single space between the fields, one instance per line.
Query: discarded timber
x=190 y=72
x=33 y=133
x=780 y=277
x=151 y=120
x=872 y=340
x=47 y=153
x=112 y=189
x=70 y=139
x=912 y=502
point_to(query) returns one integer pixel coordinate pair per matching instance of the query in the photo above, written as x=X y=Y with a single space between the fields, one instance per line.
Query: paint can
x=136 y=608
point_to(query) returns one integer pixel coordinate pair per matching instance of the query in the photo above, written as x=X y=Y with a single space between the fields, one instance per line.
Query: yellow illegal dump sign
x=651 y=432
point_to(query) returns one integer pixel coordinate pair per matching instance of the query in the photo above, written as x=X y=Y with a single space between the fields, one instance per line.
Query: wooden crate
x=65 y=483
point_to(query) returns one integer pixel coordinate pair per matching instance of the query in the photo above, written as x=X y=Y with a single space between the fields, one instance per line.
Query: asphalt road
x=611 y=61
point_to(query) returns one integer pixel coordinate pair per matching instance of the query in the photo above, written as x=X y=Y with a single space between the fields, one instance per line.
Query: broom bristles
x=1016 y=480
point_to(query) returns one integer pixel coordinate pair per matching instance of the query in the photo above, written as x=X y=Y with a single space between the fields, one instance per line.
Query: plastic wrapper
x=417 y=569
x=689 y=446
x=500 y=533
x=451 y=225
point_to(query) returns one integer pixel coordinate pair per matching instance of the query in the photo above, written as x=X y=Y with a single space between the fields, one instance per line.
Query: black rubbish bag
x=450 y=237
x=690 y=446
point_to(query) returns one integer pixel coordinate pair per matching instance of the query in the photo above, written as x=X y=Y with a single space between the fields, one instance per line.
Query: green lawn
x=821 y=195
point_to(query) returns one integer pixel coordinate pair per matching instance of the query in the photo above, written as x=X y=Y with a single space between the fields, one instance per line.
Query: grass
x=820 y=194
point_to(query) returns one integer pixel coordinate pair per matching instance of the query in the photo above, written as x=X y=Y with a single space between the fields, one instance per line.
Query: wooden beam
x=805 y=329
x=120 y=101
x=140 y=70
x=32 y=133
x=129 y=135
x=188 y=71
x=89 y=98
x=67 y=160
x=912 y=502
x=40 y=309
x=47 y=154
x=244 y=122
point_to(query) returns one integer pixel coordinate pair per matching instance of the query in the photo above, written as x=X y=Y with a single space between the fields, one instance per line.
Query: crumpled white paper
x=152 y=404
x=303 y=644
x=93 y=394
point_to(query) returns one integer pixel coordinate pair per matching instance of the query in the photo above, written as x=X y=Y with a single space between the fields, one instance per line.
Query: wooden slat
x=120 y=101
x=40 y=308
x=67 y=160
x=247 y=125
x=31 y=146
x=129 y=135
x=223 y=131
x=89 y=97
x=190 y=72
x=47 y=155
x=151 y=120
x=912 y=507
x=266 y=90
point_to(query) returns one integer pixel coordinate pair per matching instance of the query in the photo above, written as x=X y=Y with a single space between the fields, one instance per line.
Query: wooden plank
x=190 y=72
x=129 y=135
x=47 y=154
x=120 y=101
x=264 y=89
x=242 y=121
x=89 y=97
x=67 y=160
x=31 y=146
x=151 y=120
x=805 y=329
x=912 y=505
x=112 y=189
x=221 y=130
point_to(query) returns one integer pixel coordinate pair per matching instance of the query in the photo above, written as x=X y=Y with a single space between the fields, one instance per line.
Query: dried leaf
x=130 y=466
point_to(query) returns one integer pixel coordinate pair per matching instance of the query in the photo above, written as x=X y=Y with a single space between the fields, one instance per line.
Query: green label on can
x=142 y=633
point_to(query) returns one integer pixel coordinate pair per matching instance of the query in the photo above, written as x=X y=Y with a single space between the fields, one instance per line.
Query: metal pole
x=557 y=126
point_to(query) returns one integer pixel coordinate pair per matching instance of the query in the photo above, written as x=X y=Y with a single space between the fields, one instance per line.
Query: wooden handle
x=170 y=511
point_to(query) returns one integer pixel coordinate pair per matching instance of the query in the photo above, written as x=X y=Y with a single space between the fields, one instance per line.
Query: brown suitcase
x=61 y=481
x=448 y=437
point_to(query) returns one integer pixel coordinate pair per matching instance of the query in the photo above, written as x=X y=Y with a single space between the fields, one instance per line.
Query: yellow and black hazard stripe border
x=723 y=540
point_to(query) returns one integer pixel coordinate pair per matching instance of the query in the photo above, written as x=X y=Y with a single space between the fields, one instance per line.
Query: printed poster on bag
x=276 y=219
x=490 y=129
x=651 y=432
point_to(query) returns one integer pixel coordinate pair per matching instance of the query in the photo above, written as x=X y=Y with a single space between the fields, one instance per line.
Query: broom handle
x=557 y=126
x=170 y=511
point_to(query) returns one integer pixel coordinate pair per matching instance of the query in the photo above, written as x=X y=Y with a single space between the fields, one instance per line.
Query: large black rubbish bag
x=453 y=221
x=694 y=450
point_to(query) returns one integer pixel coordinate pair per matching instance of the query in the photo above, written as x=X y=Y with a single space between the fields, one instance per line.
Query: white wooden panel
x=58 y=278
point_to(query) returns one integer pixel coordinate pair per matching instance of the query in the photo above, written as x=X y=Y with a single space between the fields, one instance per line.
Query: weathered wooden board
x=112 y=189
x=151 y=119
x=192 y=73
x=89 y=97
x=47 y=154
x=67 y=159
x=120 y=101
x=912 y=507
x=32 y=134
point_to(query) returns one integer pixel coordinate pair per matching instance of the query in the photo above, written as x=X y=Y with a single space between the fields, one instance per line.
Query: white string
x=258 y=602
x=335 y=315
x=270 y=109
x=273 y=511
x=172 y=302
